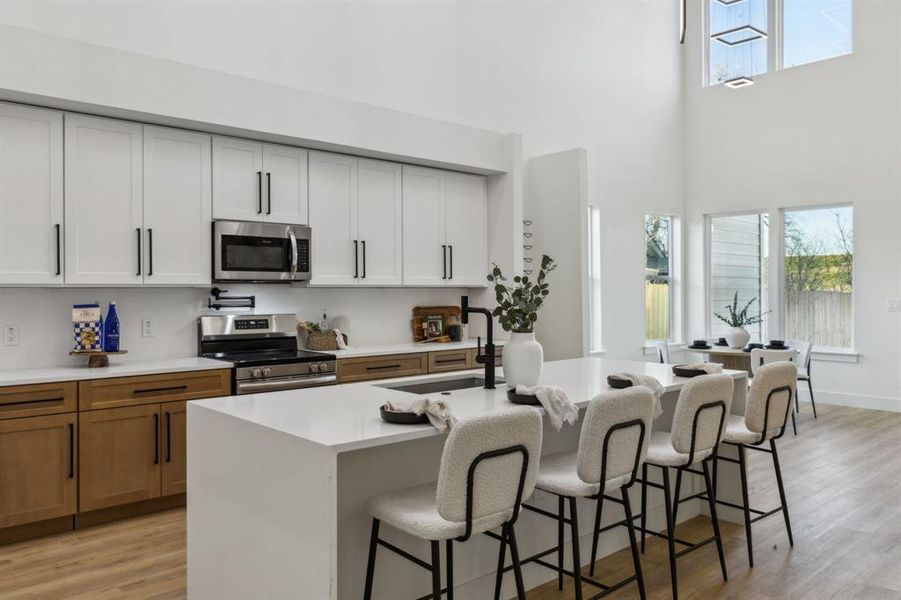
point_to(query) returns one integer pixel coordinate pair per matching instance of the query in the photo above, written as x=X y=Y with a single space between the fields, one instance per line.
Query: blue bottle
x=111 y=330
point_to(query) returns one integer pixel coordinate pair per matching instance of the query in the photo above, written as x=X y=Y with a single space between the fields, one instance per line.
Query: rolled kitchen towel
x=645 y=381
x=438 y=412
x=709 y=368
x=339 y=338
x=554 y=400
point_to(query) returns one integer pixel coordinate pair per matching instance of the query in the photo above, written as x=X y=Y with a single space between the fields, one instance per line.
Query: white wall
x=602 y=76
x=822 y=133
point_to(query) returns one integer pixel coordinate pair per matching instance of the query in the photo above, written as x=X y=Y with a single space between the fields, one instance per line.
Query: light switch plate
x=146 y=328
x=893 y=305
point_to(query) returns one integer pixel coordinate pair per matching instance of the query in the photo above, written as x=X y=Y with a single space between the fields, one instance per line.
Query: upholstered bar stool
x=766 y=413
x=804 y=350
x=761 y=357
x=612 y=446
x=698 y=424
x=488 y=467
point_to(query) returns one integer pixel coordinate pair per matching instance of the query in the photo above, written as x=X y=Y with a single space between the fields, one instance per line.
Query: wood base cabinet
x=174 y=464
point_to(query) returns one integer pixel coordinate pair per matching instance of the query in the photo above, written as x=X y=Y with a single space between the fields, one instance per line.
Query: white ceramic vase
x=523 y=358
x=736 y=337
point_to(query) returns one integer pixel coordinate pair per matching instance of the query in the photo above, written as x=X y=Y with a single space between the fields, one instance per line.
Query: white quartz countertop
x=119 y=367
x=346 y=417
x=405 y=348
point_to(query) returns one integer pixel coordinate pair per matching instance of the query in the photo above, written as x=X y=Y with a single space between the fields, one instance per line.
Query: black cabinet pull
x=268 y=193
x=259 y=192
x=364 y=258
x=168 y=436
x=160 y=390
x=451 y=249
x=356 y=259
x=149 y=251
x=444 y=261
x=140 y=259
x=59 y=263
x=71 y=450
x=156 y=439
x=382 y=367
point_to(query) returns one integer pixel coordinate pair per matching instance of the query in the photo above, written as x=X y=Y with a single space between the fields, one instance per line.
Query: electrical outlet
x=146 y=328
x=10 y=335
x=893 y=305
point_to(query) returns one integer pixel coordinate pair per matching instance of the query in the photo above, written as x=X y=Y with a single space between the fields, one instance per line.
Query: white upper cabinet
x=259 y=182
x=177 y=207
x=285 y=170
x=445 y=228
x=380 y=222
x=104 y=238
x=31 y=196
x=335 y=251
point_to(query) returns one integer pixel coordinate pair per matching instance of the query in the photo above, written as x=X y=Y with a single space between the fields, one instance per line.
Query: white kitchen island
x=277 y=483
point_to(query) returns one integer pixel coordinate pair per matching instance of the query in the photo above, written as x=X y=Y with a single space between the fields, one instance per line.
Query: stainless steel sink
x=432 y=386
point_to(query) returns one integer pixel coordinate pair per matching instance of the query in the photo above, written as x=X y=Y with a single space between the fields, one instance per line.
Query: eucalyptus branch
x=518 y=304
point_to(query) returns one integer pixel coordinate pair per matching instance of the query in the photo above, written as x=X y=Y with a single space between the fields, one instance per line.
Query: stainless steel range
x=263 y=349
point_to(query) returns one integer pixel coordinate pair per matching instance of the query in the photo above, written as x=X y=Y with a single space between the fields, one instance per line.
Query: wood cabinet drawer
x=39 y=399
x=382 y=367
x=450 y=360
x=153 y=389
x=498 y=356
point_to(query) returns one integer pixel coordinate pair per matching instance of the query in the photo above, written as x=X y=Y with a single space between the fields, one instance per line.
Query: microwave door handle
x=293 y=239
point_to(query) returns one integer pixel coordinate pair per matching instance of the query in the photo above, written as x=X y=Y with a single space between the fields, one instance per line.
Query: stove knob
x=255 y=373
x=314 y=368
x=323 y=367
x=267 y=371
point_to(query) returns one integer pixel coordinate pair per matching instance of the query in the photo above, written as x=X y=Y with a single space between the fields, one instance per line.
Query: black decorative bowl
x=528 y=399
x=697 y=347
x=681 y=371
x=750 y=347
x=721 y=342
x=402 y=418
x=618 y=382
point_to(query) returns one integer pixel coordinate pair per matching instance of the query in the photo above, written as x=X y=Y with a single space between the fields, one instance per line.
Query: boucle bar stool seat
x=489 y=465
x=612 y=445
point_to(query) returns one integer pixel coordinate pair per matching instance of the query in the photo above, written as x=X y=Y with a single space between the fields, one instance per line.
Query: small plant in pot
x=737 y=336
x=517 y=310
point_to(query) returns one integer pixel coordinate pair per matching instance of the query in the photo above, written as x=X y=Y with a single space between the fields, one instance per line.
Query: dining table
x=730 y=358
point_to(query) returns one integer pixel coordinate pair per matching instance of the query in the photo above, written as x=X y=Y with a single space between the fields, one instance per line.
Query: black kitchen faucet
x=486 y=358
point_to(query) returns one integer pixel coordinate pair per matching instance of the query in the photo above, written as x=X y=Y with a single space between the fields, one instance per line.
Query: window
x=815 y=30
x=818 y=275
x=738 y=258
x=594 y=277
x=658 y=288
x=738 y=40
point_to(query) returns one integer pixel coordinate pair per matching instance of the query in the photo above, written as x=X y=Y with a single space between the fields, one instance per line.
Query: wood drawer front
x=450 y=360
x=498 y=356
x=40 y=399
x=153 y=389
x=382 y=367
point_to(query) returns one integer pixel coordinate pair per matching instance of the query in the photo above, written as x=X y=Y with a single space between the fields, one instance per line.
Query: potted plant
x=737 y=336
x=517 y=310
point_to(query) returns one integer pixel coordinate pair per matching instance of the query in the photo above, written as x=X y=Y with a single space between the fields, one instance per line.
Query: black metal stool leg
x=743 y=472
x=594 y=539
x=436 y=570
x=678 y=491
x=449 y=558
x=644 y=502
x=577 y=563
x=561 y=512
x=670 y=532
x=370 y=565
x=716 y=523
x=813 y=404
x=501 y=555
x=627 y=507
x=788 y=526
x=794 y=425
x=517 y=568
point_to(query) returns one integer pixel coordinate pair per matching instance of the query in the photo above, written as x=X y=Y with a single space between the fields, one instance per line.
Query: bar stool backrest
x=615 y=434
x=770 y=398
x=762 y=356
x=489 y=464
x=662 y=351
x=700 y=412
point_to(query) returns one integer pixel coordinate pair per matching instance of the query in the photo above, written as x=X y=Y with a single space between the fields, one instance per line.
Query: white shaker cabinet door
x=31 y=196
x=177 y=207
x=238 y=184
x=285 y=170
x=380 y=222
x=335 y=252
x=425 y=256
x=467 y=231
x=104 y=237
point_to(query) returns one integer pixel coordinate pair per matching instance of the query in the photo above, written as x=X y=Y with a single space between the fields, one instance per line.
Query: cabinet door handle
x=160 y=390
x=156 y=439
x=383 y=367
x=444 y=261
x=59 y=263
x=149 y=251
x=268 y=193
x=168 y=436
x=356 y=259
x=363 y=243
x=71 y=451
x=451 y=250
x=259 y=192
x=140 y=259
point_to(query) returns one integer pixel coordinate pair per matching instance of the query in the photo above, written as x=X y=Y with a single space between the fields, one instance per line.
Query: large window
x=815 y=30
x=818 y=278
x=738 y=255
x=658 y=286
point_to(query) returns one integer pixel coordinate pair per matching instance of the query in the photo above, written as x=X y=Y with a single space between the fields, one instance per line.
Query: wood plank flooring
x=843 y=480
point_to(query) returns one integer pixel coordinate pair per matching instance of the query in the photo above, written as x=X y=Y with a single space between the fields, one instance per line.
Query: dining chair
x=804 y=351
x=662 y=348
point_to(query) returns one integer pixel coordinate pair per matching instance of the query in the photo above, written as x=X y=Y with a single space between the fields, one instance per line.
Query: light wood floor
x=843 y=480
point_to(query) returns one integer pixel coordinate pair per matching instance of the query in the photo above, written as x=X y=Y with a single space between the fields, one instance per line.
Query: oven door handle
x=286 y=383
x=293 y=239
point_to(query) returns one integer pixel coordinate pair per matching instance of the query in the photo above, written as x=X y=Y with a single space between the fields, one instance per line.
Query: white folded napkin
x=555 y=401
x=709 y=368
x=645 y=381
x=438 y=412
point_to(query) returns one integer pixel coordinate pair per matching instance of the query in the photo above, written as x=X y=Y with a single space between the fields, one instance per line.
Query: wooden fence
x=656 y=310
x=823 y=318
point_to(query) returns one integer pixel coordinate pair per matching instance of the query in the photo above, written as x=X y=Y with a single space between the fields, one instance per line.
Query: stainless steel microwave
x=260 y=252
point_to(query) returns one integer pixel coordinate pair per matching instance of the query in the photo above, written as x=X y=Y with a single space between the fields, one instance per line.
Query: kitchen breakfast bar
x=278 y=483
